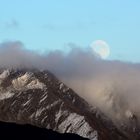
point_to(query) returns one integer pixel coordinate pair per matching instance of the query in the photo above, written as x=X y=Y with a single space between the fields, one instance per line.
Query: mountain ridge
x=39 y=98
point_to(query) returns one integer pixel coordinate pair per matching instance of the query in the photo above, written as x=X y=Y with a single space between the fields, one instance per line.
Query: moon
x=101 y=48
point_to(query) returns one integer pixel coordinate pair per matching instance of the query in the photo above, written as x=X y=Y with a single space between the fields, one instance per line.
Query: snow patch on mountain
x=6 y=95
x=43 y=98
x=61 y=86
x=21 y=81
x=39 y=111
x=27 y=103
x=129 y=114
x=59 y=114
x=76 y=123
x=35 y=84
x=28 y=81
x=4 y=74
x=53 y=104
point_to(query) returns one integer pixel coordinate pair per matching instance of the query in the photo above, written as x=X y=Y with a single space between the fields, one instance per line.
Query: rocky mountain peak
x=39 y=98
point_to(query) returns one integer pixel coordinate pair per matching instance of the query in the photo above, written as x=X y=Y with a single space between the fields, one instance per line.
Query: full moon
x=101 y=48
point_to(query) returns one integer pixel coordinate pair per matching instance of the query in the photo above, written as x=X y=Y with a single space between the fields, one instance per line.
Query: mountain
x=40 y=99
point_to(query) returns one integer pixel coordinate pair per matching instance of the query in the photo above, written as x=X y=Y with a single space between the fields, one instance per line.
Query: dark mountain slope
x=15 y=131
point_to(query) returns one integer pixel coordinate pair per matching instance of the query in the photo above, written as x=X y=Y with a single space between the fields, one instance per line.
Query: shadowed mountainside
x=17 y=131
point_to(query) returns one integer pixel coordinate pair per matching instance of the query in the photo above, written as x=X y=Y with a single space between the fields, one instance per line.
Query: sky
x=47 y=25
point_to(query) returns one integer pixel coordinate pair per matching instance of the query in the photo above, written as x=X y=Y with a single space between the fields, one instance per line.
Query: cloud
x=113 y=86
x=14 y=55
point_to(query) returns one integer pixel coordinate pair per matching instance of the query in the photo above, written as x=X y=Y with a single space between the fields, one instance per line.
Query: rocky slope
x=39 y=98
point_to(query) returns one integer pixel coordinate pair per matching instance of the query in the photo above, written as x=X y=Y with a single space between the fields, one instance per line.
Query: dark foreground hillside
x=15 y=131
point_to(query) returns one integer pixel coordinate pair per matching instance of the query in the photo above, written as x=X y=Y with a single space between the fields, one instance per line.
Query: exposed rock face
x=38 y=98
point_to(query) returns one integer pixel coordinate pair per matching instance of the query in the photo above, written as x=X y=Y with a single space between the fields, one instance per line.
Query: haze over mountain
x=106 y=84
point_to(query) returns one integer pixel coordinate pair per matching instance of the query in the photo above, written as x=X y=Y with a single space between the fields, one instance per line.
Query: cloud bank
x=113 y=86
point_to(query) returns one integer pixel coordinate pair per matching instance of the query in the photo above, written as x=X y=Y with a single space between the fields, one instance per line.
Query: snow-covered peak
x=128 y=114
x=27 y=81
x=21 y=81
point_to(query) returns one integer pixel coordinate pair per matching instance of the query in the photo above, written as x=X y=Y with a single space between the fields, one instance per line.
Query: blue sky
x=52 y=24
